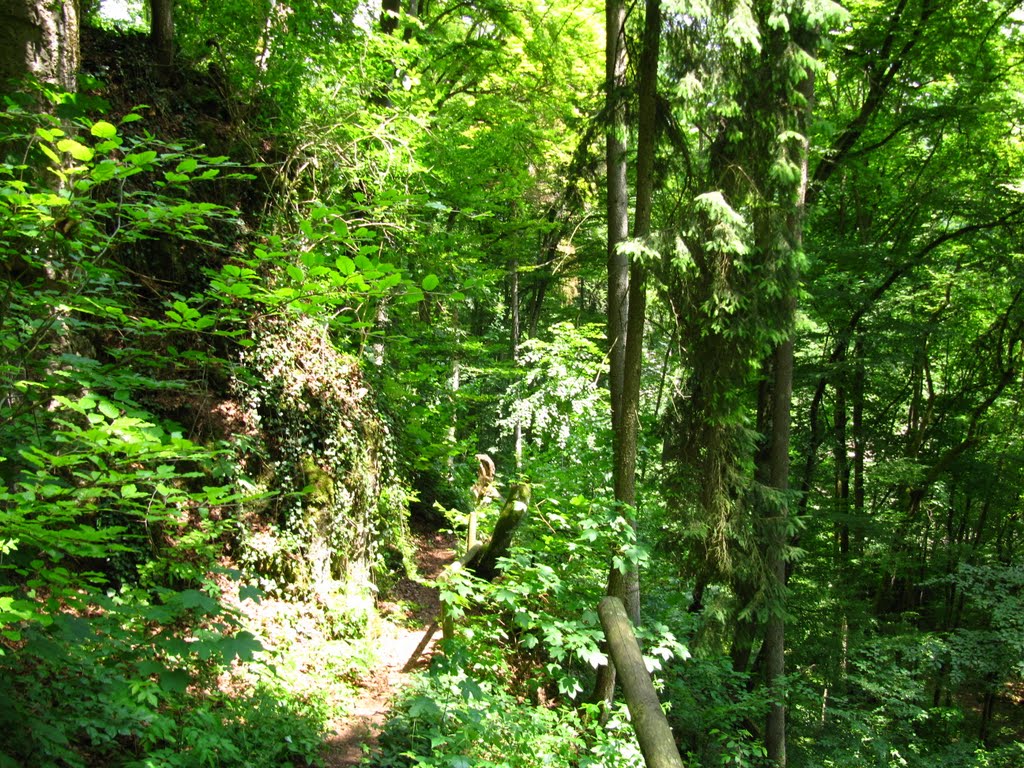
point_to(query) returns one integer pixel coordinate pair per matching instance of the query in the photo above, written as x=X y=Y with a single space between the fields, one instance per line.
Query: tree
x=733 y=290
x=161 y=34
x=40 y=39
x=913 y=205
x=825 y=247
x=627 y=287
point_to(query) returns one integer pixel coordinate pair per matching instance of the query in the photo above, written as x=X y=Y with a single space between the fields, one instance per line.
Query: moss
x=319 y=482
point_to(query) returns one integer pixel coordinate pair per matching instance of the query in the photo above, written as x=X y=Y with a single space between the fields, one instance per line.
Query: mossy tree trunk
x=649 y=722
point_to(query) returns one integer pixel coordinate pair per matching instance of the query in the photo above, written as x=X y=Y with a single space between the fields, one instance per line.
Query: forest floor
x=405 y=621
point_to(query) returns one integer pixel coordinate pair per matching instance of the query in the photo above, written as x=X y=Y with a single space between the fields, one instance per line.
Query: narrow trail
x=396 y=640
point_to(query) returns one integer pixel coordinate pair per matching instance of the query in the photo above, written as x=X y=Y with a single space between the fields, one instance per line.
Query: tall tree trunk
x=629 y=424
x=775 y=632
x=776 y=527
x=842 y=474
x=389 y=11
x=617 y=200
x=627 y=301
x=858 y=439
x=161 y=35
x=745 y=630
x=455 y=383
x=514 y=305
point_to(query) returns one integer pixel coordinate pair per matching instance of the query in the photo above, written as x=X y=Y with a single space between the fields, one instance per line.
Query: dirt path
x=396 y=639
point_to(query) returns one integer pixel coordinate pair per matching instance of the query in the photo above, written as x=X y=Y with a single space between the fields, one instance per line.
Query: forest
x=707 y=311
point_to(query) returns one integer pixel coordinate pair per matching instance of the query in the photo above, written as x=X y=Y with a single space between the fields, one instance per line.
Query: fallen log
x=485 y=565
x=482 y=559
x=649 y=722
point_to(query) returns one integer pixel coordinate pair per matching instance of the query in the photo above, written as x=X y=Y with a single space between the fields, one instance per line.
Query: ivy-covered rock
x=329 y=459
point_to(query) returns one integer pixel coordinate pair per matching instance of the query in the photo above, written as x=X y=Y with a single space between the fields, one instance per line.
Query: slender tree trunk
x=617 y=206
x=776 y=528
x=858 y=440
x=617 y=200
x=629 y=425
x=988 y=711
x=161 y=35
x=626 y=284
x=455 y=383
x=842 y=475
x=745 y=631
x=514 y=305
x=389 y=11
x=775 y=632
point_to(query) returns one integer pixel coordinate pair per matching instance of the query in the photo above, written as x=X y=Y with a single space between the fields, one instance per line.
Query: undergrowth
x=126 y=639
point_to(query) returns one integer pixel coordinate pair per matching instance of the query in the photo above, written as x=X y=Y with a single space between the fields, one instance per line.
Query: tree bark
x=485 y=564
x=617 y=198
x=842 y=474
x=775 y=518
x=389 y=11
x=629 y=426
x=775 y=632
x=513 y=301
x=161 y=35
x=40 y=38
x=858 y=439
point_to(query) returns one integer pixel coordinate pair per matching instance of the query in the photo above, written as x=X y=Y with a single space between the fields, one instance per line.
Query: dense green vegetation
x=737 y=288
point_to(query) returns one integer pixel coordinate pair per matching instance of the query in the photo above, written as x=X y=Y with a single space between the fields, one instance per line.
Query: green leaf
x=130 y=491
x=470 y=689
x=250 y=592
x=345 y=265
x=103 y=130
x=104 y=171
x=430 y=282
x=49 y=153
x=423 y=706
x=193 y=598
x=49 y=135
x=187 y=165
x=75 y=149
x=140 y=158
x=243 y=646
